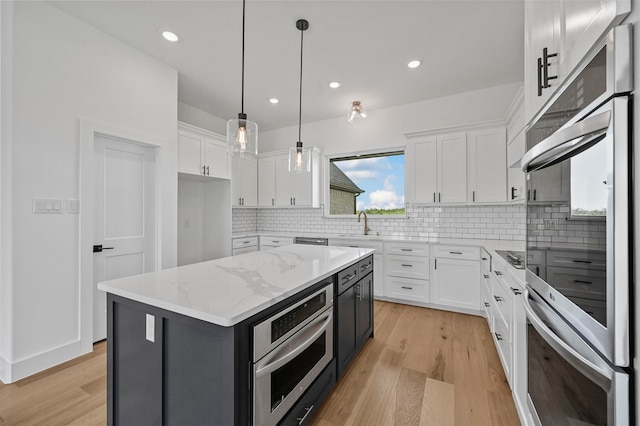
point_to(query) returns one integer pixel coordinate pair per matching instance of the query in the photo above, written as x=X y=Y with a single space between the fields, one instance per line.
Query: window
x=373 y=183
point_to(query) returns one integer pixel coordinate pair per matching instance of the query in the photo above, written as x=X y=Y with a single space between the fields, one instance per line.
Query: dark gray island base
x=166 y=368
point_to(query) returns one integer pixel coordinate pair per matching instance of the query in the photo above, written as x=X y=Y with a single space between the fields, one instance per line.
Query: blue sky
x=382 y=178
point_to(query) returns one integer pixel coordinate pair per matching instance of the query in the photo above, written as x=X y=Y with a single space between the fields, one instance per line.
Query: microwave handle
x=315 y=328
x=602 y=375
x=542 y=154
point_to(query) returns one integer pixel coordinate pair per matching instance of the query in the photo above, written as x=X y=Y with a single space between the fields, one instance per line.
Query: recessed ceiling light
x=334 y=84
x=274 y=100
x=170 y=36
x=414 y=64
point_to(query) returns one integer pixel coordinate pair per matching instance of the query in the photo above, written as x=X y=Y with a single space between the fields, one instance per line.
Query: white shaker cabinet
x=567 y=29
x=439 y=169
x=244 y=182
x=378 y=259
x=202 y=153
x=267 y=182
x=487 y=160
x=455 y=277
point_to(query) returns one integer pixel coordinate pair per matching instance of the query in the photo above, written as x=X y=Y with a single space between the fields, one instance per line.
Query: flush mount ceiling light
x=299 y=157
x=334 y=84
x=242 y=134
x=356 y=111
x=170 y=36
x=414 y=64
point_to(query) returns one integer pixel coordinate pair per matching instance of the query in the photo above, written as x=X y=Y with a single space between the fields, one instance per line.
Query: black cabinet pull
x=540 y=77
x=439 y=200
x=581 y=261
x=498 y=272
x=406 y=249
x=207 y=170
x=498 y=298
x=455 y=252
x=582 y=282
x=513 y=193
x=407 y=288
x=486 y=276
x=498 y=336
x=204 y=170
x=545 y=70
x=98 y=248
x=516 y=291
x=534 y=194
x=434 y=197
x=486 y=304
x=435 y=263
x=474 y=196
x=406 y=264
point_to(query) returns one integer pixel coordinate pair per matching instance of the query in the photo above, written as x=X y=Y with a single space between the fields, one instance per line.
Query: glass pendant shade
x=242 y=137
x=299 y=159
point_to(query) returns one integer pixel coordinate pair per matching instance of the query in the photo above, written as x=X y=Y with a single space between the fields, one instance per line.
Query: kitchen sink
x=514 y=258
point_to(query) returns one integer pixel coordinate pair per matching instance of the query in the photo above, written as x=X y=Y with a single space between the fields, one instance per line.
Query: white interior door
x=124 y=217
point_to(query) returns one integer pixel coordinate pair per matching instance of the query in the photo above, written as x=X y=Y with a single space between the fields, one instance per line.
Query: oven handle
x=309 y=333
x=601 y=375
x=552 y=150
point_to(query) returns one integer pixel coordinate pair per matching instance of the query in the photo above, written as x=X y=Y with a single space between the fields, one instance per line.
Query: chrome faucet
x=366 y=228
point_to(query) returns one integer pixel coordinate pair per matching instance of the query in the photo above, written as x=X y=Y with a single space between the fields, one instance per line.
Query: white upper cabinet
x=267 y=182
x=567 y=29
x=487 y=165
x=202 y=153
x=438 y=169
x=244 y=182
x=278 y=187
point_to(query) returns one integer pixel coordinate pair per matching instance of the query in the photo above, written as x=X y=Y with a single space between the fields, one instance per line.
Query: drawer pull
x=355 y=246
x=407 y=288
x=406 y=249
x=581 y=261
x=498 y=336
x=406 y=264
x=301 y=419
x=486 y=276
x=484 y=258
x=582 y=282
x=246 y=242
x=486 y=304
x=516 y=291
x=348 y=277
x=455 y=252
x=498 y=298
x=498 y=273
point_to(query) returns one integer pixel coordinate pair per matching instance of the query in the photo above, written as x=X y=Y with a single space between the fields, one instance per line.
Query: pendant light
x=299 y=157
x=242 y=134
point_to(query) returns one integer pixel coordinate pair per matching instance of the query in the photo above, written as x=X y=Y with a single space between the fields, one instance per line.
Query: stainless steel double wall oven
x=578 y=270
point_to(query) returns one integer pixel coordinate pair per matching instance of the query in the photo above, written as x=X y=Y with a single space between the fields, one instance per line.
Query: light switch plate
x=47 y=206
x=151 y=328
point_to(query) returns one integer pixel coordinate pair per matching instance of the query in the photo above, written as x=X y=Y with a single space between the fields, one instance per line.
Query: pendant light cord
x=242 y=90
x=300 y=103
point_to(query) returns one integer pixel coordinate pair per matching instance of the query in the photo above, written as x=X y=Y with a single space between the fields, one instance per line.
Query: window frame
x=364 y=153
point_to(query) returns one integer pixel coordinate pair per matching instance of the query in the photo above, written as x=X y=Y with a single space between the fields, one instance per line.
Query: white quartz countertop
x=229 y=290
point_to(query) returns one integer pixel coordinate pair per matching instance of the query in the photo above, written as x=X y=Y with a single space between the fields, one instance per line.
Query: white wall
x=199 y=118
x=387 y=127
x=62 y=71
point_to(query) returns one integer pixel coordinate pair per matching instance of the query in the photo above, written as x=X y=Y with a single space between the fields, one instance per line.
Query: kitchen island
x=180 y=341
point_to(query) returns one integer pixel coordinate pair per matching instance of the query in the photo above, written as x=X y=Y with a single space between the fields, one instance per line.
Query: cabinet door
x=189 y=153
x=301 y=188
x=517 y=187
x=284 y=182
x=364 y=306
x=542 y=30
x=456 y=283
x=244 y=182
x=346 y=329
x=378 y=275
x=488 y=165
x=266 y=182
x=216 y=160
x=424 y=180
x=452 y=168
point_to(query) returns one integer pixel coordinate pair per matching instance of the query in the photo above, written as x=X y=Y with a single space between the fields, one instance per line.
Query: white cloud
x=386 y=198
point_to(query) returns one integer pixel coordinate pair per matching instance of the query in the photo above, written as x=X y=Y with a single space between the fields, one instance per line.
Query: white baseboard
x=12 y=372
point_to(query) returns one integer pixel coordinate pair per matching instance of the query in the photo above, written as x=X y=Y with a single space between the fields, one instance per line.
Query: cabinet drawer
x=455 y=252
x=407 y=289
x=502 y=298
x=378 y=246
x=577 y=259
x=408 y=267
x=347 y=277
x=245 y=242
x=275 y=241
x=502 y=338
x=578 y=282
x=365 y=266
x=243 y=250
x=407 y=249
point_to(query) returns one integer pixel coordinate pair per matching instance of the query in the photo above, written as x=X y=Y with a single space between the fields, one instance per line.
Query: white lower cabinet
x=241 y=245
x=268 y=241
x=455 y=277
x=407 y=271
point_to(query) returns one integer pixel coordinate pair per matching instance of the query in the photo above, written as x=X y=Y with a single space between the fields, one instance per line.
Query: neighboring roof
x=338 y=180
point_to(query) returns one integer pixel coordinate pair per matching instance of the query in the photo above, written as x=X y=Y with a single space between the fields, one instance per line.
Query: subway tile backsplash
x=494 y=222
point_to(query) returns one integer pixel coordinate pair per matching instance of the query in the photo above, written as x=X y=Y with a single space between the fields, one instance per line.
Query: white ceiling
x=464 y=46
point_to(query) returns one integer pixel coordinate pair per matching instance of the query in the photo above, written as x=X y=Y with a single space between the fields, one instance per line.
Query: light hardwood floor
x=424 y=367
